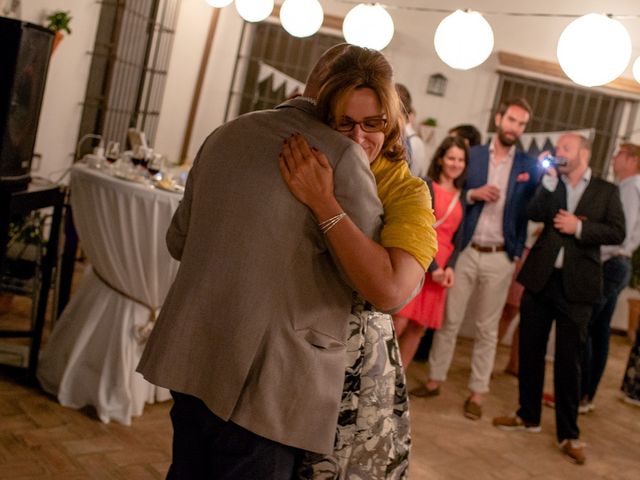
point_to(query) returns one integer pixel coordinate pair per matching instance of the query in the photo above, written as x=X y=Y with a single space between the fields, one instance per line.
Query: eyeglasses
x=369 y=125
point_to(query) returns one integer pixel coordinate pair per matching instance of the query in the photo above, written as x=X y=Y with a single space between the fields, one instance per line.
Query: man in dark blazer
x=251 y=337
x=562 y=277
x=500 y=182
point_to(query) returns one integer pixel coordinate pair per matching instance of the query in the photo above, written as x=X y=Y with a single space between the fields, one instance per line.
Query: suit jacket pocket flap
x=320 y=340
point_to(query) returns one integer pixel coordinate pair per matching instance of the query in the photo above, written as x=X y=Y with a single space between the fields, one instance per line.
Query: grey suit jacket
x=255 y=323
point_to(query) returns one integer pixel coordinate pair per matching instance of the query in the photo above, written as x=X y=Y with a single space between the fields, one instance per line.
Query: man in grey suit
x=251 y=338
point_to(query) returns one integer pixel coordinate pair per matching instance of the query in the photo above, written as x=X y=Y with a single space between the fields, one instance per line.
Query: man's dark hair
x=518 y=102
x=467 y=131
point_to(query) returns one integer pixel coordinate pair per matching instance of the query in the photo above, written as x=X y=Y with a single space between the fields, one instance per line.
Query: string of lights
x=593 y=49
x=491 y=13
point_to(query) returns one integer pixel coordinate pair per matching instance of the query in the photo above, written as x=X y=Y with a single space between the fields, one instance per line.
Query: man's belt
x=492 y=249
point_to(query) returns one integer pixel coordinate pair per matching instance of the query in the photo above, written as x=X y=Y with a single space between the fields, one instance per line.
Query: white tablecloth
x=91 y=355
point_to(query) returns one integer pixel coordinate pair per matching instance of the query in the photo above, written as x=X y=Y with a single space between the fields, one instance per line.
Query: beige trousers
x=480 y=290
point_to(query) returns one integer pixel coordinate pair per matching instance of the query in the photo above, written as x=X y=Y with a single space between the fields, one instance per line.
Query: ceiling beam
x=545 y=67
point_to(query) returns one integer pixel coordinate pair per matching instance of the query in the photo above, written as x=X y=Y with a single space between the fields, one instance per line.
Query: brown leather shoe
x=514 y=422
x=472 y=409
x=423 y=391
x=574 y=451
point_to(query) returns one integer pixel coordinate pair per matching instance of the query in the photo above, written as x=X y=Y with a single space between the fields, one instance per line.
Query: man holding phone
x=562 y=277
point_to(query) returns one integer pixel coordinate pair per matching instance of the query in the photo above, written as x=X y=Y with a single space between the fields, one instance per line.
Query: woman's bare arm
x=385 y=277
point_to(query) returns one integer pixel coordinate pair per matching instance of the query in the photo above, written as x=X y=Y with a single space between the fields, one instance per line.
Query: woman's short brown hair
x=358 y=68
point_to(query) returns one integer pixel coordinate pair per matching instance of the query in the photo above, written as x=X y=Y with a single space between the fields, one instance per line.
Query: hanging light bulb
x=218 y=3
x=368 y=26
x=594 y=49
x=301 y=18
x=254 y=10
x=636 y=69
x=463 y=40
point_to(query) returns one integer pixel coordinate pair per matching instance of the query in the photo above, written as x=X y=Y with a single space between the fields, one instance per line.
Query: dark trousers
x=616 y=273
x=425 y=345
x=207 y=447
x=537 y=313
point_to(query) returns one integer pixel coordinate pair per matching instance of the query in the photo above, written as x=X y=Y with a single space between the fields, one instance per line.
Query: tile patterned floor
x=39 y=439
x=448 y=446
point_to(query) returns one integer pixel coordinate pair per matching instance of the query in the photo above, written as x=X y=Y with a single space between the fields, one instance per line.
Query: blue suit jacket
x=523 y=179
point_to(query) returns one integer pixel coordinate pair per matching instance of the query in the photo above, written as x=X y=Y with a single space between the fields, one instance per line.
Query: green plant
x=26 y=230
x=431 y=122
x=59 y=20
x=24 y=247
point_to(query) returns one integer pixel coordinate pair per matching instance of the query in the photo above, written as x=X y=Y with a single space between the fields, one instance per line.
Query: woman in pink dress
x=425 y=311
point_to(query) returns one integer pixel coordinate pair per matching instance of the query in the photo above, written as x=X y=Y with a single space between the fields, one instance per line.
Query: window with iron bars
x=268 y=45
x=559 y=107
x=129 y=68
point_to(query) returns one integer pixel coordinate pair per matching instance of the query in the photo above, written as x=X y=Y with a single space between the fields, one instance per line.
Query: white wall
x=468 y=98
x=219 y=75
x=620 y=319
x=66 y=82
x=189 y=44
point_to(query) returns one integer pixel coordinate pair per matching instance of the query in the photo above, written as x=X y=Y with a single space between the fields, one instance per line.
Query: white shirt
x=419 y=161
x=489 y=231
x=630 y=197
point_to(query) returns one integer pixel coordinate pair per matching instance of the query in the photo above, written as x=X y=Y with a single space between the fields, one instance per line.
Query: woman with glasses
x=359 y=100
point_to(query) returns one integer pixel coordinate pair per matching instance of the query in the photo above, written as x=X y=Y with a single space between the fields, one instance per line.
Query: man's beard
x=504 y=140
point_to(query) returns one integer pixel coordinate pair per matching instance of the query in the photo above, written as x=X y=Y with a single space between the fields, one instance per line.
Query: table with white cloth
x=94 y=348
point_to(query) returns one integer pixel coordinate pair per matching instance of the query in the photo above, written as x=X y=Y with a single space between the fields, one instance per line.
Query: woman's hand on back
x=307 y=172
x=385 y=277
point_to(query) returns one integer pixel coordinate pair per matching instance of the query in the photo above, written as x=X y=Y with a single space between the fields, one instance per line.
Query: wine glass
x=139 y=153
x=112 y=152
x=155 y=166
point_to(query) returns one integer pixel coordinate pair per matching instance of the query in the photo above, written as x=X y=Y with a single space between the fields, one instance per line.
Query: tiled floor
x=448 y=446
x=41 y=439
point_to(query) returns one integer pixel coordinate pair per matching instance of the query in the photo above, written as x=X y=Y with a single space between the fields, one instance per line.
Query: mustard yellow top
x=408 y=212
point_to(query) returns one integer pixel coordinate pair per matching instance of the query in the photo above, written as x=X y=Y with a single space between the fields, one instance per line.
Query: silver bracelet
x=331 y=222
x=332 y=219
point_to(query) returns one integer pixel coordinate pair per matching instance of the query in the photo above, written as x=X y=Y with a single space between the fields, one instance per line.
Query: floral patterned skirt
x=631 y=381
x=373 y=434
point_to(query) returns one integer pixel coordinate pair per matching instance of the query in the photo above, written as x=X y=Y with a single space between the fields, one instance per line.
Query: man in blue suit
x=500 y=182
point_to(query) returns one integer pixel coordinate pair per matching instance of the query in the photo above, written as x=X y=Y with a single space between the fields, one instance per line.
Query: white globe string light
x=218 y=3
x=463 y=40
x=254 y=10
x=636 y=69
x=301 y=18
x=368 y=26
x=594 y=49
